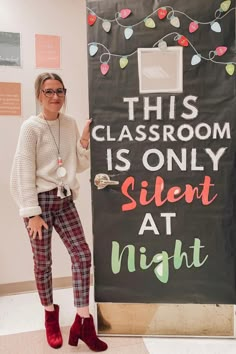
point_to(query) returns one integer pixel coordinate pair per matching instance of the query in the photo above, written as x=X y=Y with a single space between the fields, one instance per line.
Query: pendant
x=61 y=172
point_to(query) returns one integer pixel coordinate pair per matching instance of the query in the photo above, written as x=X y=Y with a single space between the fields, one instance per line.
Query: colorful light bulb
x=104 y=68
x=124 y=13
x=128 y=32
x=174 y=21
x=230 y=68
x=162 y=12
x=183 y=41
x=221 y=50
x=215 y=26
x=193 y=27
x=93 y=48
x=225 y=5
x=149 y=23
x=106 y=25
x=196 y=59
x=92 y=19
x=123 y=62
x=162 y=45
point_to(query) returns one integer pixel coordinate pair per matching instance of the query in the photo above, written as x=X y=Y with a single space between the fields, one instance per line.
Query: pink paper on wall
x=10 y=99
x=47 y=51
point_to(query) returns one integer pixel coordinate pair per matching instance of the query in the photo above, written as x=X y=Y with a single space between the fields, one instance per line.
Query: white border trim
x=179 y=88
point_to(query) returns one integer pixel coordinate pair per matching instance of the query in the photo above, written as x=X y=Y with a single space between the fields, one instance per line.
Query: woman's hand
x=84 y=140
x=35 y=225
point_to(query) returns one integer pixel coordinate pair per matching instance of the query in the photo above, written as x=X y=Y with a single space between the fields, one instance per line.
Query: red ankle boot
x=83 y=328
x=53 y=331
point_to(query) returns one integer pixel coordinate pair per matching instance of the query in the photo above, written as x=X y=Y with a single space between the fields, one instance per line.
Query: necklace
x=61 y=171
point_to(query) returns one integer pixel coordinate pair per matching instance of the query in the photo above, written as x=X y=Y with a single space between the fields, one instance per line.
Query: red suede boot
x=84 y=329
x=53 y=331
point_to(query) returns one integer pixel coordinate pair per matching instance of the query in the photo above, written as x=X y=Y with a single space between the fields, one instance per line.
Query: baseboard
x=29 y=286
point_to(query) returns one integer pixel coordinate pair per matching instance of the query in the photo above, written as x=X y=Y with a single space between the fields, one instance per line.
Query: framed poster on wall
x=48 y=51
x=10 y=99
x=10 y=49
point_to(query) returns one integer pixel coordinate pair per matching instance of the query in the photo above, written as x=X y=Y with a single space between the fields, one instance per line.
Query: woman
x=49 y=154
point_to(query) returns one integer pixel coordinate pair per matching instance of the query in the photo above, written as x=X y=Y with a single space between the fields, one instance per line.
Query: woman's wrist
x=84 y=139
x=84 y=142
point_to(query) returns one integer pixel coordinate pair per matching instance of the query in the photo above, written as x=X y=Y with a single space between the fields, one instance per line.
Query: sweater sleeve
x=83 y=155
x=23 y=173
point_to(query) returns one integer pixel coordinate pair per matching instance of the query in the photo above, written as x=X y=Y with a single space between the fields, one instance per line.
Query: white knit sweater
x=35 y=162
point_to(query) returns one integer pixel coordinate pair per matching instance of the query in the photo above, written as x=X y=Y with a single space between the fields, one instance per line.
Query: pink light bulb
x=104 y=68
x=221 y=50
x=125 y=13
x=193 y=27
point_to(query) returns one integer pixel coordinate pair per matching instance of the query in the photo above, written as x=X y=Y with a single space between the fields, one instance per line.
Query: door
x=162 y=99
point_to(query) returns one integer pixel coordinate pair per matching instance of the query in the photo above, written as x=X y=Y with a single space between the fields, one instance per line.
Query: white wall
x=65 y=18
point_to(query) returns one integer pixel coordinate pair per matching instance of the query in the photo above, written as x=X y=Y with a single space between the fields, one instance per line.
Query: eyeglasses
x=60 y=92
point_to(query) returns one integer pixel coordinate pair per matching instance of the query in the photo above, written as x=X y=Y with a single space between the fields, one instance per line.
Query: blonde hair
x=41 y=78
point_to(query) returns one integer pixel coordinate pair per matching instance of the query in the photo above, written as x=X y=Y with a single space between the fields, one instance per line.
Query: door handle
x=102 y=180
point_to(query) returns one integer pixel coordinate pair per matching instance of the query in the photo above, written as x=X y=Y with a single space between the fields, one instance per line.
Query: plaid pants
x=63 y=216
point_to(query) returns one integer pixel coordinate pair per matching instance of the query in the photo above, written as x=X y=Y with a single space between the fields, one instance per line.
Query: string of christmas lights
x=162 y=45
x=166 y=12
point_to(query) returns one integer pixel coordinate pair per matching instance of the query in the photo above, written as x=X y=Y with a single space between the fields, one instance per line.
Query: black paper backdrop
x=209 y=276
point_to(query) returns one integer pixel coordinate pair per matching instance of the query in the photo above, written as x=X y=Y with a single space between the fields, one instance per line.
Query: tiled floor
x=22 y=332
